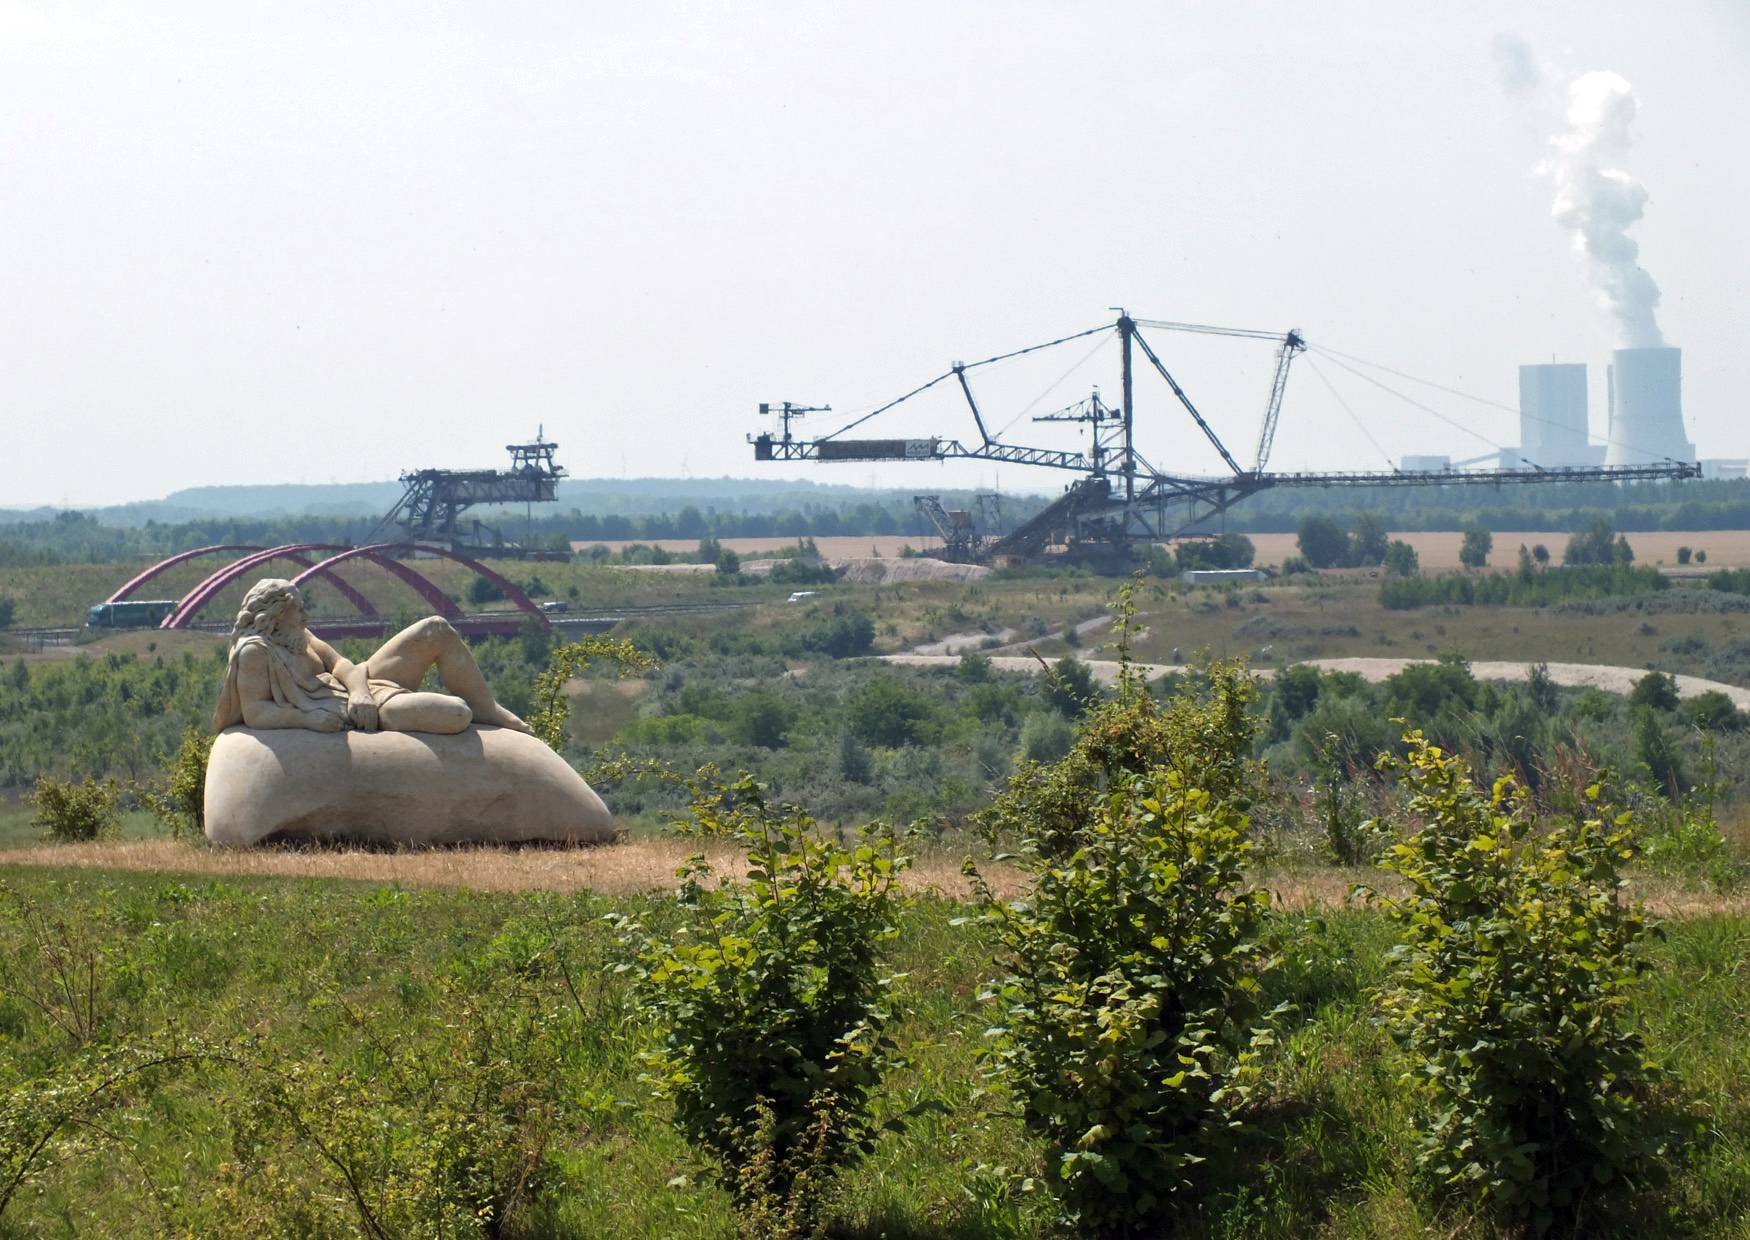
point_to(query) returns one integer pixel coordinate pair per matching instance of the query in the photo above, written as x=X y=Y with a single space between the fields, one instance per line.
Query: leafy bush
x=888 y=712
x=69 y=813
x=796 y=571
x=1658 y=753
x=8 y=610
x=1655 y=690
x=763 y=719
x=481 y=591
x=1046 y=737
x=1400 y=559
x=1713 y=711
x=1205 y=732
x=1510 y=994
x=1129 y=974
x=1070 y=687
x=848 y=633
x=1222 y=551
x=771 y=1003
x=179 y=799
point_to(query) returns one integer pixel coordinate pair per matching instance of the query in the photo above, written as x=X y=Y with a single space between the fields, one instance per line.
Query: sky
x=252 y=243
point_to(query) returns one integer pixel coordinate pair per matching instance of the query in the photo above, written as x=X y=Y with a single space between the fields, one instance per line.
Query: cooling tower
x=1646 y=408
x=1552 y=415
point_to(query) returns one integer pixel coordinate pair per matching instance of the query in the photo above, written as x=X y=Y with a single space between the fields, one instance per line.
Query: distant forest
x=646 y=509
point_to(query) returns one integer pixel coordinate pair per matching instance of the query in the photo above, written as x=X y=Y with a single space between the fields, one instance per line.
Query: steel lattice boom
x=1123 y=499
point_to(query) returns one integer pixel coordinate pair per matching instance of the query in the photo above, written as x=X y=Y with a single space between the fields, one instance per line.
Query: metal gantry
x=431 y=507
x=1122 y=499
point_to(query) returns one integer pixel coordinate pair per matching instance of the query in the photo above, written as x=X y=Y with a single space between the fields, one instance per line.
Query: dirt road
x=1568 y=675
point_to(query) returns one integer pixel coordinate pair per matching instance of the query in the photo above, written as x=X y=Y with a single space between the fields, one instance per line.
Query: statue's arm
x=361 y=707
x=255 y=691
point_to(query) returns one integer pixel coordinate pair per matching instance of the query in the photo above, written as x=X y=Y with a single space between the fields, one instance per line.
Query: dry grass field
x=626 y=868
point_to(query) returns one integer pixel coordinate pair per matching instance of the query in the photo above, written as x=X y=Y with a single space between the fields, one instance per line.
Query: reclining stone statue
x=280 y=675
x=407 y=766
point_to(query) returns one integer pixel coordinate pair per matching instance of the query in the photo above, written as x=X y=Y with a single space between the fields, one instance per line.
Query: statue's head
x=273 y=609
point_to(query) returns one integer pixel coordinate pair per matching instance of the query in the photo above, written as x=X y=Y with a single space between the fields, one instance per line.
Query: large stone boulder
x=485 y=785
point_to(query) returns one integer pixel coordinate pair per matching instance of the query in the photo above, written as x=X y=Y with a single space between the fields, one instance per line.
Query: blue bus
x=133 y=613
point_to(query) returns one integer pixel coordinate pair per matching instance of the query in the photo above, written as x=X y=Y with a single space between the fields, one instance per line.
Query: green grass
x=339 y=978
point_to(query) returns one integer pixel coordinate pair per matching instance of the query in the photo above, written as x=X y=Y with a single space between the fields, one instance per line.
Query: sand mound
x=869 y=571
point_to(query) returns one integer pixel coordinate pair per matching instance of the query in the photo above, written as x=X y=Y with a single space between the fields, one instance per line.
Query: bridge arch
x=139 y=579
x=382 y=551
x=380 y=554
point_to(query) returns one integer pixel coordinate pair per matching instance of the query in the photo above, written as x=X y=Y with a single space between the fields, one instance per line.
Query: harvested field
x=836 y=548
x=1438 y=550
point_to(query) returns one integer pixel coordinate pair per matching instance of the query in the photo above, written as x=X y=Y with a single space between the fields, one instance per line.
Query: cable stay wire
x=1410 y=400
x=1207 y=329
x=1602 y=440
x=1353 y=416
x=1333 y=355
x=1439 y=387
x=949 y=374
x=1055 y=384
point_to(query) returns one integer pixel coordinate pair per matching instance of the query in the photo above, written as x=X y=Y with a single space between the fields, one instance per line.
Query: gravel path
x=1569 y=675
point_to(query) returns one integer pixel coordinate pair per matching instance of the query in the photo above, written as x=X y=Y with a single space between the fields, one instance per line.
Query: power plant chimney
x=1646 y=408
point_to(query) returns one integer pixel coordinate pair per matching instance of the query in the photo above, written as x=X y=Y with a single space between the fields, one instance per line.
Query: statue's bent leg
x=425 y=712
x=434 y=642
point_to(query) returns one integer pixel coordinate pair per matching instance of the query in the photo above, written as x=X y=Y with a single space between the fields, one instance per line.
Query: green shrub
x=482 y=591
x=1510 y=993
x=885 y=711
x=179 y=799
x=1658 y=753
x=849 y=632
x=1713 y=711
x=69 y=813
x=1129 y=974
x=1655 y=690
x=1046 y=736
x=1400 y=559
x=1205 y=732
x=772 y=1004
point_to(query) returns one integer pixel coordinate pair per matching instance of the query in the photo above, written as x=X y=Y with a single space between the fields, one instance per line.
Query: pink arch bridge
x=332 y=556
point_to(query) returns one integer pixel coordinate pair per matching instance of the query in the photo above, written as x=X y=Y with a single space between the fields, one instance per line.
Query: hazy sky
x=245 y=242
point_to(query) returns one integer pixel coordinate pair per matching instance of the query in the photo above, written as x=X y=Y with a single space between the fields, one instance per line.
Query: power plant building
x=1646 y=408
x=1554 y=429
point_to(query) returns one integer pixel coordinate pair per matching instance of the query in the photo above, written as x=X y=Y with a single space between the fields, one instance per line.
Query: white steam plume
x=1599 y=203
